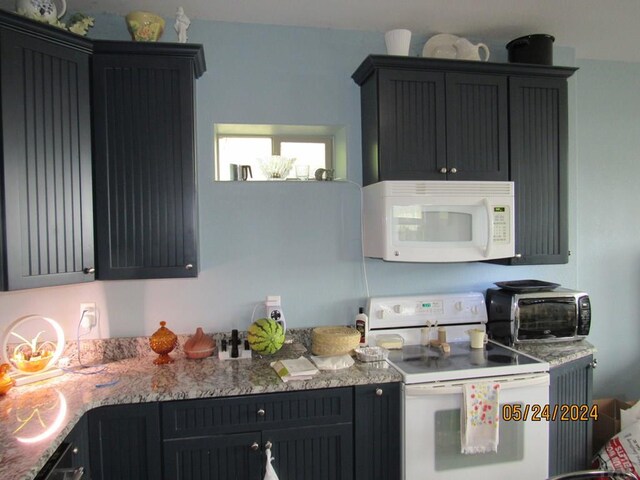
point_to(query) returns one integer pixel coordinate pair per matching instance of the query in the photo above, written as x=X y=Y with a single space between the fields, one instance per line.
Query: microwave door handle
x=487 y=206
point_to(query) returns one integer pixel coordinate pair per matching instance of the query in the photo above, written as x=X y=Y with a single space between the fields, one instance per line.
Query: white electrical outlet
x=88 y=315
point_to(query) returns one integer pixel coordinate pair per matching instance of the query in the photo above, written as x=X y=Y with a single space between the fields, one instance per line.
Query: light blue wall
x=301 y=241
x=608 y=205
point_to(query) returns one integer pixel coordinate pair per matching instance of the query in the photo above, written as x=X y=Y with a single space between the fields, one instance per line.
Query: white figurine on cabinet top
x=181 y=25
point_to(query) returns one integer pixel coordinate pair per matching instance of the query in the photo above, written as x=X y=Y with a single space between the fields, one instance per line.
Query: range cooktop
x=419 y=363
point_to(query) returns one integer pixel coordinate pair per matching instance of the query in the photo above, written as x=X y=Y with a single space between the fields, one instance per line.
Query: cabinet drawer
x=189 y=418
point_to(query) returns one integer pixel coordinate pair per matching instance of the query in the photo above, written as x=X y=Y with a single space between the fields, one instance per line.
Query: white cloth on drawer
x=479 y=417
x=270 y=473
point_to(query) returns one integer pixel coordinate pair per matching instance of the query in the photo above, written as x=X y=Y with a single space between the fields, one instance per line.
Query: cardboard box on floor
x=608 y=423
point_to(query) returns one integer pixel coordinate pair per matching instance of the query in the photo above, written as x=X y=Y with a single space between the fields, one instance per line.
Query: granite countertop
x=34 y=419
x=558 y=353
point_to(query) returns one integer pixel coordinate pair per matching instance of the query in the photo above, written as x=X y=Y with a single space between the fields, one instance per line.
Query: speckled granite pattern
x=56 y=405
x=558 y=353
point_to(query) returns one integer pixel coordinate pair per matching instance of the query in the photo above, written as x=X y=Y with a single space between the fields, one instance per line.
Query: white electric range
x=432 y=392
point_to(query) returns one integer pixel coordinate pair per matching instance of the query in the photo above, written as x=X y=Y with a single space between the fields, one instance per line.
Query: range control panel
x=421 y=310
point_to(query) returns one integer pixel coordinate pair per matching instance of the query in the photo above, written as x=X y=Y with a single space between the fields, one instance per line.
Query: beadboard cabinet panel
x=378 y=426
x=146 y=215
x=46 y=162
x=538 y=126
x=411 y=124
x=477 y=127
x=570 y=441
x=125 y=442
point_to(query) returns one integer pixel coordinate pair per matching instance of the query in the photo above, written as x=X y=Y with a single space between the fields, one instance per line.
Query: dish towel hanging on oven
x=479 y=417
x=270 y=473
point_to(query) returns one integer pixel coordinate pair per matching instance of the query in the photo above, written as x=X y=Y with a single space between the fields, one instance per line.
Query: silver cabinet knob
x=453 y=170
x=89 y=270
x=255 y=446
x=188 y=266
x=75 y=450
x=518 y=255
x=268 y=445
x=443 y=170
x=379 y=392
x=261 y=412
x=593 y=364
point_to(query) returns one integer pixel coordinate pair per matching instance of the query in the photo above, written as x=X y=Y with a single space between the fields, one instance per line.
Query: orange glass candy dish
x=6 y=382
x=163 y=341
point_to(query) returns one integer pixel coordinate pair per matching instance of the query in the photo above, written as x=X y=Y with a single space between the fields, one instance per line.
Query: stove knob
x=458 y=306
x=474 y=310
x=381 y=314
x=398 y=308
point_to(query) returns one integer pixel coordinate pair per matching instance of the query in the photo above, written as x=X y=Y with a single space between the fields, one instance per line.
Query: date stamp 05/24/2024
x=550 y=413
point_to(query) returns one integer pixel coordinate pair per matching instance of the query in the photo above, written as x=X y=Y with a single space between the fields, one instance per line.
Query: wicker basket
x=334 y=340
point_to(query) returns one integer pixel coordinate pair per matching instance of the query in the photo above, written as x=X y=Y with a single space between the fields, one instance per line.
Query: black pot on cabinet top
x=537 y=48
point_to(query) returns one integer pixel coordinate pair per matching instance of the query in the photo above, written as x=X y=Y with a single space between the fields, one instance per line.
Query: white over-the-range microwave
x=438 y=221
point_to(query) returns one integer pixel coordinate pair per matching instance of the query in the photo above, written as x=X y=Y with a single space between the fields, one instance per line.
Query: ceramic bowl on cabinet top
x=145 y=26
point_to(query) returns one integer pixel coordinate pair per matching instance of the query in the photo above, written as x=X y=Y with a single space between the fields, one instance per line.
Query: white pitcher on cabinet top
x=41 y=10
x=465 y=50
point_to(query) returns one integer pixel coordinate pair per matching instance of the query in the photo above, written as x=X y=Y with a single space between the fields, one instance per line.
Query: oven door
x=432 y=447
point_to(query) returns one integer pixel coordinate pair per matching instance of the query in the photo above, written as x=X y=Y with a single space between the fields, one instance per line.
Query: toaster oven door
x=550 y=318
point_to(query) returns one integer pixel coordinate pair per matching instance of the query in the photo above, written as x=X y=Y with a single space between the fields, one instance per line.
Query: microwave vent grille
x=449 y=188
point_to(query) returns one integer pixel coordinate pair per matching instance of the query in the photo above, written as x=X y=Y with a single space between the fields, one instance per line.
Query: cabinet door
x=79 y=439
x=312 y=453
x=235 y=456
x=570 y=441
x=46 y=159
x=377 y=431
x=538 y=125
x=146 y=210
x=125 y=442
x=477 y=127
x=412 y=125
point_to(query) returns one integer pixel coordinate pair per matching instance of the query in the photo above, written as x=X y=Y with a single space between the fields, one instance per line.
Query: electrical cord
x=364 y=263
x=100 y=367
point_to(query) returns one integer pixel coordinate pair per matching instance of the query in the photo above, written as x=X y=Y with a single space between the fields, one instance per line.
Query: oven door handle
x=506 y=383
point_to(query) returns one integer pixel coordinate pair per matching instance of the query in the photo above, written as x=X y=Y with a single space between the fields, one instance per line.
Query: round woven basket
x=334 y=340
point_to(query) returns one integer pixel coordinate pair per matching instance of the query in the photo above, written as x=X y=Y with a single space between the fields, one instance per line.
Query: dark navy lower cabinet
x=570 y=441
x=227 y=456
x=377 y=432
x=309 y=433
x=328 y=434
x=125 y=442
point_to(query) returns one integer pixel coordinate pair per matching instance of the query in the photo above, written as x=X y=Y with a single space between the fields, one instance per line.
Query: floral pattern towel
x=479 y=418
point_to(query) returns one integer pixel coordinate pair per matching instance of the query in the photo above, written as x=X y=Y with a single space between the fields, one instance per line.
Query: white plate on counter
x=440 y=46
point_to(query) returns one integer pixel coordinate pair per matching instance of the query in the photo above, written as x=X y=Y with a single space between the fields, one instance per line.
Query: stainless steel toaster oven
x=536 y=317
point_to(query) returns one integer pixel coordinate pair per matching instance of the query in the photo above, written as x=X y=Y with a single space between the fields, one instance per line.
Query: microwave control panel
x=501 y=224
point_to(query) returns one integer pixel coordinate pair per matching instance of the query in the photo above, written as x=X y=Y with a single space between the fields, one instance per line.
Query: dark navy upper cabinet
x=430 y=119
x=425 y=121
x=144 y=150
x=46 y=231
x=538 y=120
